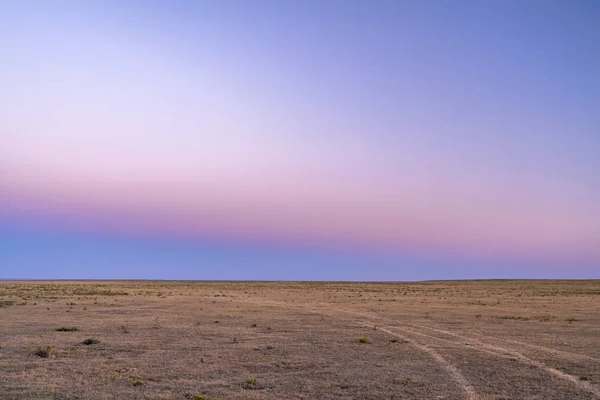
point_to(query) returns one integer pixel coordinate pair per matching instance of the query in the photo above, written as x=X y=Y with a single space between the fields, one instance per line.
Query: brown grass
x=292 y=340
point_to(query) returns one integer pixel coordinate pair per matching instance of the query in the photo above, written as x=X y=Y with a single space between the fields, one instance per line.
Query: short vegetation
x=43 y=352
x=252 y=383
x=67 y=329
x=199 y=396
x=6 y=303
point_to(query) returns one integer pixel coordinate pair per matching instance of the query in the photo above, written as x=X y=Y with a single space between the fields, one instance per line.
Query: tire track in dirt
x=498 y=351
x=560 y=353
x=473 y=344
x=451 y=369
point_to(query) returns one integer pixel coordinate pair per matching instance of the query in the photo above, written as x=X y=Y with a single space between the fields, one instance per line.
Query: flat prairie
x=498 y=339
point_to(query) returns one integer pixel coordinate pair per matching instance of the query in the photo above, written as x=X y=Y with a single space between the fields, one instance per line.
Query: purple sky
x=337 y=140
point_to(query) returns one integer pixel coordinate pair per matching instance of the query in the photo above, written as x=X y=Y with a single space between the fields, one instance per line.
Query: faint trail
x=473 y=344
x=450 y=368
x=564 y=354
x=494 y=350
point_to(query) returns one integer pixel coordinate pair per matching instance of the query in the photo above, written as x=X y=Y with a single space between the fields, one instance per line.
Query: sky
x=299 y=140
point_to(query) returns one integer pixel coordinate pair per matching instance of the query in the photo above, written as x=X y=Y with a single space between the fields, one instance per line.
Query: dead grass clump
x=6 y=303
x=93 y=292
x=541 y=318
x=137 y=382
x=514 y=318
x=43 y=352
x=545 y=318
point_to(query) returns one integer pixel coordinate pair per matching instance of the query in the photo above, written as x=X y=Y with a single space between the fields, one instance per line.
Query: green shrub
x=252 y=381
x=199 y=396
x=89 y=341
x=363 y=340
x=67 y=329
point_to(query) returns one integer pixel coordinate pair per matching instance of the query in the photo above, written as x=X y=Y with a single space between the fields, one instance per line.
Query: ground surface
x=288 y=340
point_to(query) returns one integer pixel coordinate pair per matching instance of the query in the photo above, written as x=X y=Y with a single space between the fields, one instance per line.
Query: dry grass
x=291 y=340
x=67 y=329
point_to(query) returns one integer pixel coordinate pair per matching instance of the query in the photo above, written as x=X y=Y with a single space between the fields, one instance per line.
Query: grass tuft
x=43 y=352
x=363 y=340
x=67 y=329
x=199 y=396
x=252 y=381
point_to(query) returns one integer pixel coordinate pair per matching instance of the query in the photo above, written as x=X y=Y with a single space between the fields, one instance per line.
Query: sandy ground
x=291 y=340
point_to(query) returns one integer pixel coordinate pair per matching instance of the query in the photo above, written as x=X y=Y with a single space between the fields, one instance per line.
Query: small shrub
x=89 y=341
x=199 y=396
x=6 y=303
x=137 y=382
x=67 y=329
x=252 y=384
x=514 y=318
x=252 y=381
x=43 y=352
x=363 y=340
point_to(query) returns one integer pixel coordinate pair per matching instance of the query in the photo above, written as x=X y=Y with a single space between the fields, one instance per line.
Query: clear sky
x=314 y=139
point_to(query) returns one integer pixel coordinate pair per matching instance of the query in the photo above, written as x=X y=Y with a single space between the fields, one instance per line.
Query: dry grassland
x=300 y=340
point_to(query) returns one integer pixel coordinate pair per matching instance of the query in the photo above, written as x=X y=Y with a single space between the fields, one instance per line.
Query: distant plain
x=498 y=339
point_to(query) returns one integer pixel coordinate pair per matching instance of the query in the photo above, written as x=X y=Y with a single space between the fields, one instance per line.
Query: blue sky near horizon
x=336 y=140
x=51 y=255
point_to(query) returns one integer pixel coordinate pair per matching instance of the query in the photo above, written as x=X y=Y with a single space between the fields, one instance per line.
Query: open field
x=291 y=340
